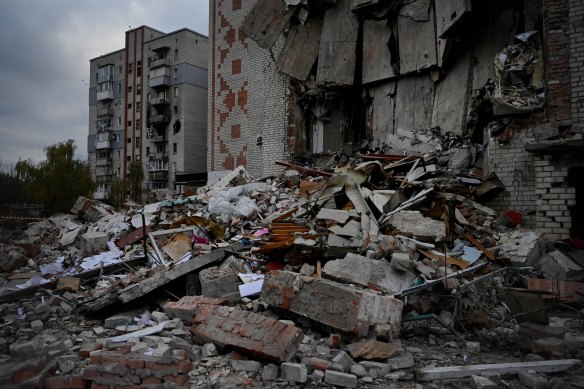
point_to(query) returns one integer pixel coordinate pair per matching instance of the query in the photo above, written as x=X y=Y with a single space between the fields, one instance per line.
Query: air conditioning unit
x=149 y=133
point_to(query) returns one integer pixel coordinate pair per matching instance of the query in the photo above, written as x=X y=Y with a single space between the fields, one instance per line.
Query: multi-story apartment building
x=148 y=104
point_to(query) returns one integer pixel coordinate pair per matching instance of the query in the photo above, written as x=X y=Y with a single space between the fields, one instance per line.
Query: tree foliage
x=135 y=178
x=58 y=181
x=118 y=192
x=10 y=185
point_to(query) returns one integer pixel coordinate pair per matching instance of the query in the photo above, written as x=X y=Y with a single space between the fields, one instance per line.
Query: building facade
x=148 y=105
x=298 y=79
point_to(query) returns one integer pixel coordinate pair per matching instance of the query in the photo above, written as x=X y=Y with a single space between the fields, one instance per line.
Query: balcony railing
x=159 y=119
x=103 y=162
x=105 y=95
x=105 y=77
x=159 y=101
x=158 y=174
x=159 y=62
x=160 y=81
x=105 y=111
x=103 y=144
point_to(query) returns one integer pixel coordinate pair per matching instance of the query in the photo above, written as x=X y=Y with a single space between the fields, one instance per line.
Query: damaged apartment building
x=148 y=104
x=495 y=90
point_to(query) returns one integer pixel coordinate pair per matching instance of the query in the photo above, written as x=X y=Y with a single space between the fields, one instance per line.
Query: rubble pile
x=383 y=269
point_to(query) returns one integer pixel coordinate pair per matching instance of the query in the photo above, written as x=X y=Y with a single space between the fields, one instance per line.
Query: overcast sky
x=45 y=48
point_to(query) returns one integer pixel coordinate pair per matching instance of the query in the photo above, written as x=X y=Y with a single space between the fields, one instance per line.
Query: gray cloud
x=46 y=46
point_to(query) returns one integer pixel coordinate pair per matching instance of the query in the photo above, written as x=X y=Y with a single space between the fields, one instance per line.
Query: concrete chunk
x=186 y=308
x=218 y=283
x=296 y=372
x=462 y=372
x=340 y=379
x=366 y=271
x=246 y=332
x=423 y=228
x=340 y=306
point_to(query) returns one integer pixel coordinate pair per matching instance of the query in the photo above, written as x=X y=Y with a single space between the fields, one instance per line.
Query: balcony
x=105 y=95
x=105 y=78
x=159 y=101
x=103 y=179
x=103 y=144
x=157 y=63
x=159 y=120
x=103 y=162
x=105 y=111
x=158 y=82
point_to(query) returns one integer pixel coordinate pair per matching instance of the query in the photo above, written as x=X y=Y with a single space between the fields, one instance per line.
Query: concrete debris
x=309 y=278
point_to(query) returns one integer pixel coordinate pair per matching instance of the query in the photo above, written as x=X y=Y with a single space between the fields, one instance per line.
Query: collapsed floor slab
x=337 y=305
x=247 y=332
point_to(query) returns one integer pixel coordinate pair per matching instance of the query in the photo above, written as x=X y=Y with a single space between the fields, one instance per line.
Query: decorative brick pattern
x=557 y=72
x=576 y=36
x=251 y=114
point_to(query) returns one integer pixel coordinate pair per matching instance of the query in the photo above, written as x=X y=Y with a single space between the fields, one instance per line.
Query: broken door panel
x=382 y=111
x=413 y=103
x=417 y=36
x=450 y=98
x=266 y=21
x=377 y=58
x=449 y=13
x=338 y=45
x=301 y=49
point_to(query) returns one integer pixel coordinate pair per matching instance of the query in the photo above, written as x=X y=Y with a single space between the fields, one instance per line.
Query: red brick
x=55 y=383
x=134 y=364
x=235 y=131
x=86 y=349
x=77 y=383
x=184 y=366
x=224 y=326
x=151 y=380
x=236 y=66
x=90 y=373
x=179 y=379
x=95 y=385
x=320 y=364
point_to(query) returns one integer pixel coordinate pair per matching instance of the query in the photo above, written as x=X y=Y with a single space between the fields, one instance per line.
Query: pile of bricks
x=114 y=369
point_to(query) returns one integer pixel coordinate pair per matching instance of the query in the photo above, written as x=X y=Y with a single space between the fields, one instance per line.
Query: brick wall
x=576 y=37
x=514 y=167
x=247 y=96
x=554 y=195
x=557 y=69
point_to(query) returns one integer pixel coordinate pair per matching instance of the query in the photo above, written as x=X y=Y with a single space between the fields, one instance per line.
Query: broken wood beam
x=480 y=246
x=159 y=279
x=304 y=170
x=463 y=372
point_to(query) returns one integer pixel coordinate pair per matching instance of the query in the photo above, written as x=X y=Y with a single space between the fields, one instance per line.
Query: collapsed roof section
x=384 y=69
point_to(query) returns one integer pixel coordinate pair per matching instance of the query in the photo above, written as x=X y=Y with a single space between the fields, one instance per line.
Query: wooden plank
x=480 y=246
x=338 y=45
x=461 y=372
x=417 y=36
x=265 y=22
x=159 y=279
x=449 y=260
x=68 y=283
x=376 y=54
x=301 y=49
